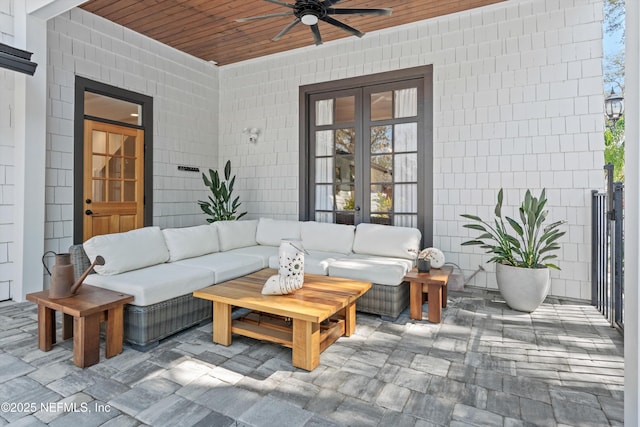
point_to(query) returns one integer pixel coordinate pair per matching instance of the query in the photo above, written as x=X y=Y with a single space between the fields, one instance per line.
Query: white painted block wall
x=7 y=210
x=185 y=127
x=517 y=104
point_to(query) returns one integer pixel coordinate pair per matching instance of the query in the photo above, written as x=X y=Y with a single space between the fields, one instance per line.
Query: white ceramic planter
x=523 y=289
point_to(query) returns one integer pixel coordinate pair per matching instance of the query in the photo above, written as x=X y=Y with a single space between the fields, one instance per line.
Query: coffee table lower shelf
x=279 y=330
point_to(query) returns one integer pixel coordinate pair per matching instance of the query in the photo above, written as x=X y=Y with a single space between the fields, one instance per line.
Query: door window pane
x=324 y=112
x=345 y=168
x=99 y=166
x=406 y=103
x=324 y=143
x=99 y=140
x=345 y=141
x=345 y=197
x=98 y=191
x=381 y=106
x=129 y=191
x=381 y=139
x=381 y=198
x=115 y=144
x=114 y=167
x=405 y=137
x=324 y=170
x=345 y=109
x=324 y=197
x=345 y=218
x=130 y=146
x=112 y=108
x=129 y=168
x=381 y=168
x=324 y=216
x=405 y=220
x=114 y=191
x=406 y=167
x=406 y=198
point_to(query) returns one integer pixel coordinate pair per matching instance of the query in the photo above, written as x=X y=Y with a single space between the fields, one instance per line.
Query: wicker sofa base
x=149 y=324
x=387 y=301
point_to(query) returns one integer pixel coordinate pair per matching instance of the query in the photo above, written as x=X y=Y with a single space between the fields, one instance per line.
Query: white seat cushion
x=271 y=231
x=188 y=242
x=326 y=237
x=154 y=284
x=315 y=262
x=380 y=270
x=128 y=251
x=225 y=266
x=260 y=251
x=387 y=241
x=236 y=234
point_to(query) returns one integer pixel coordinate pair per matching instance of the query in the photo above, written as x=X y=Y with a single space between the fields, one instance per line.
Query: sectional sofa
x=161 y=268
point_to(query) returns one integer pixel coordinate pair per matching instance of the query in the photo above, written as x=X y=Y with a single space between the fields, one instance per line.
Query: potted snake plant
x=522 y=250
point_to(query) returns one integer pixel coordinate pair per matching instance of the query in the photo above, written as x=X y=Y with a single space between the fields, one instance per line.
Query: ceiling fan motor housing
x=309 y=7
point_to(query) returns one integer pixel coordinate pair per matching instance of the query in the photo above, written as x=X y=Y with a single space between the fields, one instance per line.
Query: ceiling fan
x=309 y=12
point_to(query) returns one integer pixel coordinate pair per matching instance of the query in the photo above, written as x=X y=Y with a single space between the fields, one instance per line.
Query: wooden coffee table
x=82 y=315
x=307 y=320
x=432 y=284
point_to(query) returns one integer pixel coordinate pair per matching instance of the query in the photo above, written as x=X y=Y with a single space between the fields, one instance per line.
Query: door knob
x=357 y=208
x=87 y=201
x=88 y=212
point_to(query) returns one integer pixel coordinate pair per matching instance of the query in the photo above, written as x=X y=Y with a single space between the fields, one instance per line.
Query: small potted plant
x=428 y=258
x=522 y=251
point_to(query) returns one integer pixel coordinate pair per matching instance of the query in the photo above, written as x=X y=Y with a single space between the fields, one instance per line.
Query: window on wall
x=367 y=153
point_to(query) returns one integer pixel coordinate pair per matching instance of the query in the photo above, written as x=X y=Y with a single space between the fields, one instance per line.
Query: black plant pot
x=424 y=265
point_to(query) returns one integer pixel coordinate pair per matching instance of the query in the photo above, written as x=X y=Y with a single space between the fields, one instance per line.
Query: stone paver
x=484 y=365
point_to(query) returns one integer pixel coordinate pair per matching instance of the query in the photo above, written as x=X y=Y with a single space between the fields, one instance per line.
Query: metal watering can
x=62 y=285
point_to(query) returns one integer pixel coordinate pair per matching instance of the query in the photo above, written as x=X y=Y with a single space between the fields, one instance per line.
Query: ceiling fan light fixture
x=309 y=19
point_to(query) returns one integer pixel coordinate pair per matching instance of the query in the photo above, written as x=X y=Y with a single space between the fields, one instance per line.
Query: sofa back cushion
x=127 y=251
x=327 y=237
x=271 y=231
x=236 y=234
x=387 y=240
x=189 y=242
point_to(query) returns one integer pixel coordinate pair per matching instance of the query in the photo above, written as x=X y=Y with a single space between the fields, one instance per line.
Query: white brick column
x=632 y=217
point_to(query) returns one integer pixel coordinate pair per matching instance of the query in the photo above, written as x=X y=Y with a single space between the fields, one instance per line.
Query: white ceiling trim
x=47 y=9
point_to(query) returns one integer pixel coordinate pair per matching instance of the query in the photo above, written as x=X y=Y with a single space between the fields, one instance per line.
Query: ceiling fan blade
x=329 y=3
x=376 y=12
x=279 y=3
x=330 y=20
x=316 y=34
x=273 y=15
x=286 y=29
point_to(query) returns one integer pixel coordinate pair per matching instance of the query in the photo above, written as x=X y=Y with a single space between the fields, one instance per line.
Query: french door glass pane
x=381 y=137
x=99 y=139
x=381 y=198
x=382 y=106
x=324 y=143
x=405 y=137
x=345 y=168
x=345 y=197
x=114 y=191
x=115 y=164
x=406 y=167
x=99 y=166
x=345 y=141
x=130 y=146
x=405 y=220
x=324 y=170
x=406 y=103
x=345 y=109
x=99 y=190
x=115 y=144
x=129 y=168
x=324 y=197
x=381 y=168
x=406 y=198
x=324 y=216
x=129 y=191
x=324 y=112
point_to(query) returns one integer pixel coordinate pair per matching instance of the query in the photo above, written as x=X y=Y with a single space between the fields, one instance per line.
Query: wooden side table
x=82 y=315
x=434 y=285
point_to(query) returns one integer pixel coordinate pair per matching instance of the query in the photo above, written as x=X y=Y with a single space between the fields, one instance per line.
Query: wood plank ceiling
x=208 y=29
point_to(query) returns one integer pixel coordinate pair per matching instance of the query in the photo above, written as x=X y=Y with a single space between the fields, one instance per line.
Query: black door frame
x=83 y=85
x=425 y=221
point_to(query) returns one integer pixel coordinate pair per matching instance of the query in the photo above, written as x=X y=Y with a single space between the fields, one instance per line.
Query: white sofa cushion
x=380 y=270
x=224 y=265
x=271 y=231
x=326 y=237
x=315 y=262
x=188 y=242
x=236 y=234
x=155 y=284
x=127 y=251
x=264 y=253
x=387 y=241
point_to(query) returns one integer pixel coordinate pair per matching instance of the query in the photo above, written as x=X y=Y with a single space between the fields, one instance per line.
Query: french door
x=366 y=155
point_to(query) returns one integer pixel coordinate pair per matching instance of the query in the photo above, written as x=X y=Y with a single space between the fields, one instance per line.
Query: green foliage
x=220 y=207
x=531 y=245
x=614 y=149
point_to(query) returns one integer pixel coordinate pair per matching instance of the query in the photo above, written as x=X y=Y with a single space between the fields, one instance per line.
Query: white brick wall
x=517 y=104
x=185 y=101
x=7 y=202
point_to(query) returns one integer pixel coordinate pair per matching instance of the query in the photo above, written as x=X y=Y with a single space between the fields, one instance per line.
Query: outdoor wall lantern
x=252 y=132
x=614 y=106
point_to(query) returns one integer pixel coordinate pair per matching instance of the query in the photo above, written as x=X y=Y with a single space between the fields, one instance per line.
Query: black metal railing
x=607 y=251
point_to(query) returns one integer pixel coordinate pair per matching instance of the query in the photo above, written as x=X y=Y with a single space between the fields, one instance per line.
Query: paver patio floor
x=484 y=365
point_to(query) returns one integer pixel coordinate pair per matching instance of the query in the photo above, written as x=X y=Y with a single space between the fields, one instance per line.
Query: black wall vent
x=16 y=60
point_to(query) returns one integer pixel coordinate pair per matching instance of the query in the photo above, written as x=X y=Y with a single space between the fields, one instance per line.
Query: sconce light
x=252 y=132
